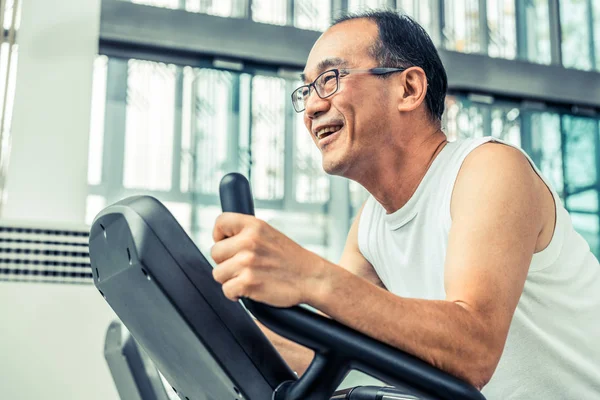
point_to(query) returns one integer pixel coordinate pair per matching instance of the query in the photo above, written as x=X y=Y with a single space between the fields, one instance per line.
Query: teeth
x=328 y=129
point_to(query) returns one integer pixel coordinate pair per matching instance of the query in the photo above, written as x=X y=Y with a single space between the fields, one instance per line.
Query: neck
x=399 y=169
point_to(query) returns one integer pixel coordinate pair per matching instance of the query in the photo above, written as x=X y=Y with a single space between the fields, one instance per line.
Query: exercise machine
x=134 y=374
x=209 y=348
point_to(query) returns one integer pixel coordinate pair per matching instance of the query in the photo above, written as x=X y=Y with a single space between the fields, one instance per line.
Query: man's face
x=356 y=114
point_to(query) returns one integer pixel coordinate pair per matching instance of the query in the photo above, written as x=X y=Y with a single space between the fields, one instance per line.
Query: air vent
x=44 y=254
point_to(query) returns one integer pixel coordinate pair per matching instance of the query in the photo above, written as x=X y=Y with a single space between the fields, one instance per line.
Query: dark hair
x=402 y=42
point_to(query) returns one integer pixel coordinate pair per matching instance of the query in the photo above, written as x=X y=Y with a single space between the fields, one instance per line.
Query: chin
x=334 y=166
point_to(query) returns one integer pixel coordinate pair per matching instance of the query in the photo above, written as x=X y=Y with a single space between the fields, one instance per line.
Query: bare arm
x=497 y=220
x=297 y=356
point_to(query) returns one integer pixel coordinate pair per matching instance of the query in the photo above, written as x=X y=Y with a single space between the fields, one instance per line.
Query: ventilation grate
x=36 y=254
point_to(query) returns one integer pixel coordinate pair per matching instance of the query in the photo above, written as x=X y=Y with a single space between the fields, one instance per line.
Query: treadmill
x=209 y=348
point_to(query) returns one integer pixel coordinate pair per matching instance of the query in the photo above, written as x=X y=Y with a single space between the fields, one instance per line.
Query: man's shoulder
x=499 y=170
x=497 y=157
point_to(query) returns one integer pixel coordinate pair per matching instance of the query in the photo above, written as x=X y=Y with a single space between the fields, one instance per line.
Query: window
x=173 y=131
x=359 y=5
x=576 y=34
x=534 y=31
x=209 y=128
x=421 y=11
x=358 y=195
x=461 y=27
x=546 y=146
x=173 y=4
x=150 y=124
x=581 y=176
x=580 y=152
x=221 y=8
x=9 y=53
x=312 y=183
x=270 y=11
x=8 y=72
x=312 y=14
x=307 y=14
x=506 y=124
x=268 y=125
x=596 y=19
x=501 y=20
x=462 y=119
x=97 y=121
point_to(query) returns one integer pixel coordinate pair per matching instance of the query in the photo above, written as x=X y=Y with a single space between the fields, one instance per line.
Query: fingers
x=227 y=270
x=233 y=290
x=226 y=248
x=235 y=233
x=236 y=283
x=230 y=224
x=238 y=242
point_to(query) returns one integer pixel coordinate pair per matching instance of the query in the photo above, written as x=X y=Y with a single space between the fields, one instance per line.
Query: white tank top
x=553 y=347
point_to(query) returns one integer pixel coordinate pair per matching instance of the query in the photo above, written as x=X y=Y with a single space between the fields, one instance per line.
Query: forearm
x=445 y=334
x=296 y=356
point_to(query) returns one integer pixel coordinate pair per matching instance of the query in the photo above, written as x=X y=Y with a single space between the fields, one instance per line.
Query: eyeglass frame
x=340 y=72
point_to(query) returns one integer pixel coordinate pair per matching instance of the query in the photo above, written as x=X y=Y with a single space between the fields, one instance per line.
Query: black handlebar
x=337 y=347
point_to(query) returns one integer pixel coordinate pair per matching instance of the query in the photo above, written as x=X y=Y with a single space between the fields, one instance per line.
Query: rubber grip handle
x=235 y=194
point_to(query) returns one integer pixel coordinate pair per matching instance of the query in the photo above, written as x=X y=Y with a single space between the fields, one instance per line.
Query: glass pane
x=7 y=85
x=461 y=119
x=94 y=204
x=182 y=213
x=311 y=235
x=537 y=31
x=580 y=151
x=359 y=5
x=187 y=119
x=596 y=11
x=312 y=14
x=312 y=183
x=584 y=201
x=307 y=229
x=268 y=127
x=173 y=4
x=546 y=148
x=461 y=27
x=587 y=225
x=221 y=8
x=150 y=124
x=420 y=10
x=269 y=11
x=212 y=124
x=506 y=125
x=244 y=154
x=96 y=145
x=9 y=11
x=502 y=28
x=575 y=34
x=203 y=225
x=358 y=195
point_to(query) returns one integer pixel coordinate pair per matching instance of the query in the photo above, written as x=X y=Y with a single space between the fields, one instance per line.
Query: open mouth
x=328 y=131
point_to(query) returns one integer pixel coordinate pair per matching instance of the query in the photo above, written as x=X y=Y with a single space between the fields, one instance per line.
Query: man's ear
x=413 y=89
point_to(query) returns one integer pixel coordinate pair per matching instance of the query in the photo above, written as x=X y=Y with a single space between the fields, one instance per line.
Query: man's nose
x=315 y=105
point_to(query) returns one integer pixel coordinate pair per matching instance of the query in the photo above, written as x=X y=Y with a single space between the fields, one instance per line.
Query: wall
x=52 y=335
x=52 y=342
x=57 y=41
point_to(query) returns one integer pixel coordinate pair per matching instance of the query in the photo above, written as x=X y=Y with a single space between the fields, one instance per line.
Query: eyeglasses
x=328 y=83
